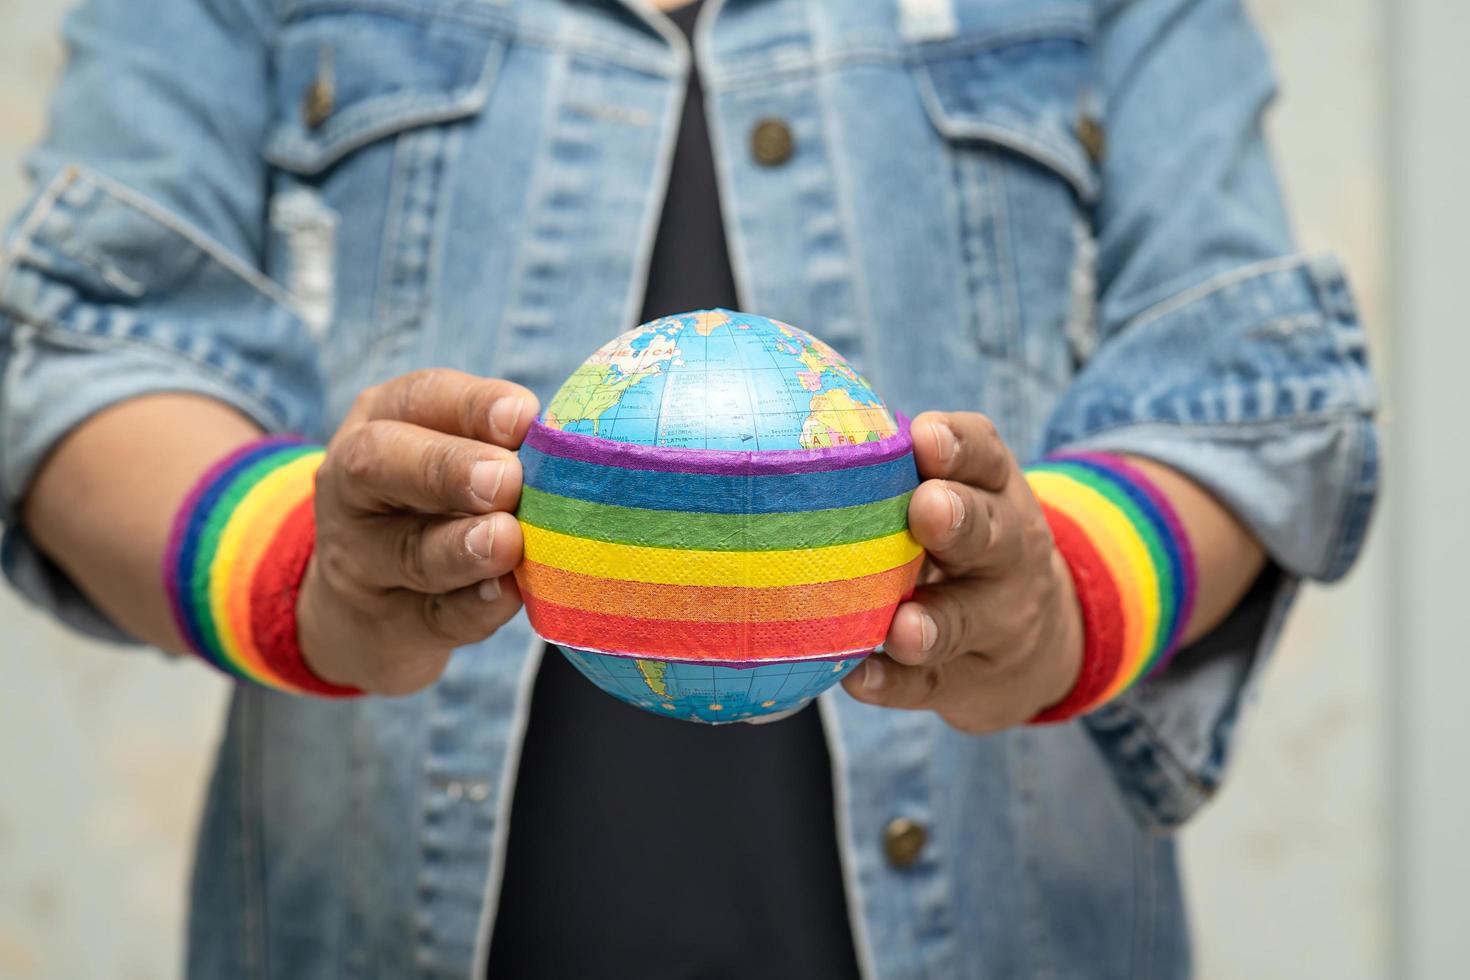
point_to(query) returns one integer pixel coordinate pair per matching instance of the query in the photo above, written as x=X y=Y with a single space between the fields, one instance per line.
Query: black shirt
x=655 y=848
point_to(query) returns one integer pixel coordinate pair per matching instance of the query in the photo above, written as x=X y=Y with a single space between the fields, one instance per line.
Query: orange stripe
x=718 y=603
x=687 y=640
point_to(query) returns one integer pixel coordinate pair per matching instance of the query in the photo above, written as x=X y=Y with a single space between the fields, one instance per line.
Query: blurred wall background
x=103 y=753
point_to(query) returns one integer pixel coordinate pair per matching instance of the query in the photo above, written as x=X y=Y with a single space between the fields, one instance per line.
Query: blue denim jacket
x=1061 y=213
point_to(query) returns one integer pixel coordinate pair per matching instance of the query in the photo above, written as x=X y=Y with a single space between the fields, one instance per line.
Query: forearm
x=104 y=502
x=1227 y=556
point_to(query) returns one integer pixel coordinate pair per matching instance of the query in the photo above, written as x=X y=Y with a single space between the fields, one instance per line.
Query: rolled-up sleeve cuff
x=1255 y=385
x=105 y=297
x=52 y=385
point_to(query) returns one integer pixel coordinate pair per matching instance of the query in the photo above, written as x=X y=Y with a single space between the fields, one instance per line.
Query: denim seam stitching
x=393 y=223
x=19 y=244
x=905 y=56
x=842 y=198
x=1005 y=271
x=847 y=859
x=643 y=58
x=10 y=252
x=535 y=195
x=1093 y=436
x=185 y=229
x=1215 y=284
x=260 y=408
x=444 y=166
x=500 y=838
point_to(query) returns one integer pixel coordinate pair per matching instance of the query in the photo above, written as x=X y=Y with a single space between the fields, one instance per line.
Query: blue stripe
x=709 y=493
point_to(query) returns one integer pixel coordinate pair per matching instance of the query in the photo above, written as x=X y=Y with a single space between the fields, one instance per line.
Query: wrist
x=311 y=631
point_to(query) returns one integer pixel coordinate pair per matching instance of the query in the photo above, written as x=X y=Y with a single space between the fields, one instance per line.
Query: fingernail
x=504 y=415
x=956 y=509
x=928 y=631
x=490 y=589
x=945 y=443
x=485 y=479
x=872 y=675
x=477 y=541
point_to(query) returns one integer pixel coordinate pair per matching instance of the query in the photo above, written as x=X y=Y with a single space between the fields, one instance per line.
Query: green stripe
x=1168 y=588
x=214 y=529
x=689 y=531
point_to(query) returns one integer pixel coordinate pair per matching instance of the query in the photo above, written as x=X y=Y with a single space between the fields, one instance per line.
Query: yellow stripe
x=669 y=566
x=1126 y=553
x=246 y=535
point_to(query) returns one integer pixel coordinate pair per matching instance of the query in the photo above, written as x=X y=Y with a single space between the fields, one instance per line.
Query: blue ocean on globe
x=711 y=693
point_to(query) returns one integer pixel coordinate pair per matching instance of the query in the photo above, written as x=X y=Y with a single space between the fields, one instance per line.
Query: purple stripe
x=722 y=462
x=186 y=512
x=1176 y=528
x=743 y=664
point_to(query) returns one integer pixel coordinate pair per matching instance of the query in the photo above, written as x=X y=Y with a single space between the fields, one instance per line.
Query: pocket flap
x=344 y=79
x=1025 y=95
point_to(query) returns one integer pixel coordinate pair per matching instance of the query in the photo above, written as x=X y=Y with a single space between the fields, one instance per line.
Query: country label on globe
x=715 y=517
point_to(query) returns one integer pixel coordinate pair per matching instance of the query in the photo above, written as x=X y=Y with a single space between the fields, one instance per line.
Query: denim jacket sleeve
x=1221 y=354
x=134 y=268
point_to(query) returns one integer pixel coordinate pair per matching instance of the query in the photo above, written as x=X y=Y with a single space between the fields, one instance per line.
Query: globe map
x=707 y=692
x=717 y=379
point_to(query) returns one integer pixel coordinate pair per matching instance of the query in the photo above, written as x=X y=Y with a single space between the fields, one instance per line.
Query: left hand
x=993 y=633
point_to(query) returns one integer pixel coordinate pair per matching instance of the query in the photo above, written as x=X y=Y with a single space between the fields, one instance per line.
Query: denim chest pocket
x=368 y=107
x=1012 y=107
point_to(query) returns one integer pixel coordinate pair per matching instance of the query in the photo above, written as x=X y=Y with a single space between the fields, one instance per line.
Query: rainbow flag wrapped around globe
x=697 y=554
x=715 y=517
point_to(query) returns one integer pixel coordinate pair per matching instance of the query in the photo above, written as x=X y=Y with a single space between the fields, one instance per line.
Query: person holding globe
x=298 y=278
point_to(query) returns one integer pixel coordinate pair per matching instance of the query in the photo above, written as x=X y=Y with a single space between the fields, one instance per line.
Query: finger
x=962 y=446
x=970 y=695
x=387 y=465
x=470 y=614
x=487 y=409
x=959 y=617
x=436 y=555
x=884 y=681
x=965 y=530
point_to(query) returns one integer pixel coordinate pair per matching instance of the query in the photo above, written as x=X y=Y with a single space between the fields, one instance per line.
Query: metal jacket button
x=903 y=839
x=771 y=142
x=317 y=106
x=1093 y=137
x=321 y=94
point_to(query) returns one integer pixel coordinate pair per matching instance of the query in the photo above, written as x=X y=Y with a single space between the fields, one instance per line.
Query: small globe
x=715 y=515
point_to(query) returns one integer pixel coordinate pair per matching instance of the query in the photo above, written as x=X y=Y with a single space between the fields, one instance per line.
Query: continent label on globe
x=715 y=517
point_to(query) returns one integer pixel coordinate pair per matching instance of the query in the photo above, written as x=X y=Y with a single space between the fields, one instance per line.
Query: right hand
x=415 y=537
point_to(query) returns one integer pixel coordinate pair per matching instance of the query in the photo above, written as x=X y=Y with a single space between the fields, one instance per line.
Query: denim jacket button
x=771 y=142
x=317 y=105
x=1094 y=139
x=903 y=839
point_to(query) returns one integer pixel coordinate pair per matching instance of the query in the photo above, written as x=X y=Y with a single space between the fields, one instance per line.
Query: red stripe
x=684 y=640
x=273 y=604
x=1102 y=619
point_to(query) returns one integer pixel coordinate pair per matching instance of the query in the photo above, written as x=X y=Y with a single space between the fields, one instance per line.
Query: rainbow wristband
x=235 y=559
x=1132 y=566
